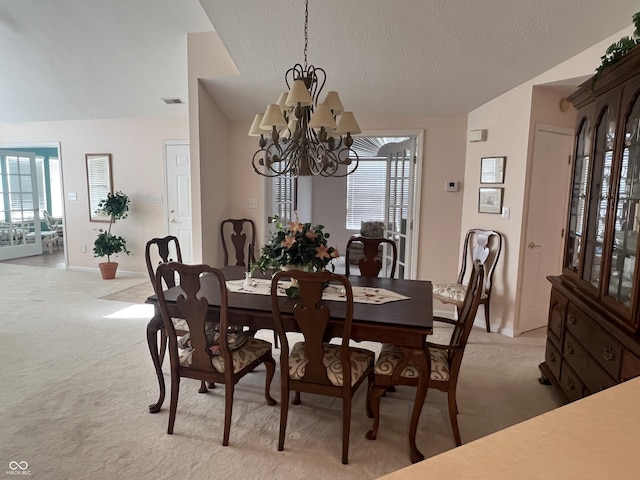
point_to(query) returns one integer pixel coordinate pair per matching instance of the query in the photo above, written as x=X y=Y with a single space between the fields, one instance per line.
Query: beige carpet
x=77 y=380
x=134 y=294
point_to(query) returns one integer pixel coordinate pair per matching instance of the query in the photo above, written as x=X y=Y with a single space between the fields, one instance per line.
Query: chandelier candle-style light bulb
x=299 y=136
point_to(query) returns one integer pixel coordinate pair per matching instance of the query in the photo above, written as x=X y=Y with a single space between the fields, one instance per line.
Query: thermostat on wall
x=452 y=187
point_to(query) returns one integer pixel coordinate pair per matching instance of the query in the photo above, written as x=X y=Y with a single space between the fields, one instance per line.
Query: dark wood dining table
x=406 y=323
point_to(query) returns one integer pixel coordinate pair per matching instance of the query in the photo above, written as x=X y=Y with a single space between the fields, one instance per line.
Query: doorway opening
x=32 y=205
x=384 y=188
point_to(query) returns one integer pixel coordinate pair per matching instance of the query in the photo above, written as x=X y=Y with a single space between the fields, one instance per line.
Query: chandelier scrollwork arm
x=299 y=135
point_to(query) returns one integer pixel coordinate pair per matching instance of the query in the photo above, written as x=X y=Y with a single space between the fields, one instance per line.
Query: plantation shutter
x=98 y=178
x=366 y=192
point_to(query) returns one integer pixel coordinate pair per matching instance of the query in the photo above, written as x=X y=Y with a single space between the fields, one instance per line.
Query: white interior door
x=400 y=203
x=19 y=205
x=548 y=196
x=178 y=174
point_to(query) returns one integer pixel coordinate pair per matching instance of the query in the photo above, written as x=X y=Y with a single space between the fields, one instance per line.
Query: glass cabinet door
x=627 y=214
x=599 y=196
x=578 y=196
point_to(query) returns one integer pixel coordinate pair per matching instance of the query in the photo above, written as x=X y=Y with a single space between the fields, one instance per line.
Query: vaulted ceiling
x=68 y=60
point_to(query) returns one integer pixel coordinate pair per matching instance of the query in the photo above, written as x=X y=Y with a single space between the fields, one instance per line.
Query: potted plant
x=116 y=207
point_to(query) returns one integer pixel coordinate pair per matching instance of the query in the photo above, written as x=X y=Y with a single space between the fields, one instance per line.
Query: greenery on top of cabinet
x=619 y=49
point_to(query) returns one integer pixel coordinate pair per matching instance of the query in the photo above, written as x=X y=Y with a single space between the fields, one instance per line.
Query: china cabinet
x=593 y=334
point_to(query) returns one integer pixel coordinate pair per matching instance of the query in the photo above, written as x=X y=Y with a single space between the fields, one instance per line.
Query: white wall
x=136 y=146
x=210 y=142
x=508 y=119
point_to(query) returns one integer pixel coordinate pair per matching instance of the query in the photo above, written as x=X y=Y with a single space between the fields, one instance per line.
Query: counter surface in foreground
x=593 y=438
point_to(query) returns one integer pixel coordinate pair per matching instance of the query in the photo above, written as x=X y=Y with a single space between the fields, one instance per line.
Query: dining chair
x=482 y=245
x=371 y=262
x=205 y=354
x=237 y=232
x=314 y=365
x=156 y=252
x=394 y=366
x=240 y=234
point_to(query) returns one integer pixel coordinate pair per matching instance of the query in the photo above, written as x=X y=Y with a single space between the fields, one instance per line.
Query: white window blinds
x=366 y=192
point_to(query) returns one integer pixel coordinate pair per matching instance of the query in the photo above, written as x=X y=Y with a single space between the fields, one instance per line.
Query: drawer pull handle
x=571 y=384
x=569 y=348
x=572 y=320
x=608 y=354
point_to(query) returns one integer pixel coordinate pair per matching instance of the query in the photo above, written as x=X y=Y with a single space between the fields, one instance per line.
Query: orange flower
x=289 y=242
x=296 y=226
x=311 y=235
x=322 y=252
x=335 y=253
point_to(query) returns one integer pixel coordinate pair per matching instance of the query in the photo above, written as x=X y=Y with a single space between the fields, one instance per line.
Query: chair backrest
x=159 y=251
x=370 y=266
x=311 y=316
x=52 y=222
x=194 y=309
x=482 y=245
x=468 y=311
x=240 y=234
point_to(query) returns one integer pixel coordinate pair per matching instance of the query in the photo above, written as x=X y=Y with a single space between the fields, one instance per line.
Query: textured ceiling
x=67 y=59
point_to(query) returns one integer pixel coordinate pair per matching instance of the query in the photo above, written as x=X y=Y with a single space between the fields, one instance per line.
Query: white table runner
x=260 y=286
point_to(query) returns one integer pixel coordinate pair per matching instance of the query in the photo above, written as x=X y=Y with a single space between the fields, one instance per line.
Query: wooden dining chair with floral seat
x=156 y=252
x=393 y=366
x=370 y=264
x=206 y=354
x=314 y=365
x=483 y=245
x=239 y=234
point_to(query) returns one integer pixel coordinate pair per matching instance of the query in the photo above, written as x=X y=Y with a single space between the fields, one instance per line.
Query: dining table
x=405 y=323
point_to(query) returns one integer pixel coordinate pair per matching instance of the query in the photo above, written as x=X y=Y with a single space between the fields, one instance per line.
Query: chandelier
x=300 y=136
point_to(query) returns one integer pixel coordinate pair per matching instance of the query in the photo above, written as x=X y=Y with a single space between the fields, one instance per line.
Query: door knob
x=533 y=245
x=172 y=220
x=171 y=210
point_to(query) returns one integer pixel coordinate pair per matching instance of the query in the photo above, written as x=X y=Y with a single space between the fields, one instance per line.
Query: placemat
x=260 y=286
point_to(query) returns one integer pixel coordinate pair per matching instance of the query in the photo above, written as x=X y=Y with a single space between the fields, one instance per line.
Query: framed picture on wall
x=492 y=169
x=490 y=200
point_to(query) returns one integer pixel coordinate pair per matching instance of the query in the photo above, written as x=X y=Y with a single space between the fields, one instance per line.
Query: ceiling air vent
x=172 y=101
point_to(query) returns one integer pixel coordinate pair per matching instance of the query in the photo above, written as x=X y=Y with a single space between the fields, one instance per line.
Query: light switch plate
x=252 y=203
x=506 y=212
x=72 y=196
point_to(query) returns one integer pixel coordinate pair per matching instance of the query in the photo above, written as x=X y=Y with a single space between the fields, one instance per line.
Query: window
x=42 y=198
x=366 y=187
x=55 y=189
x=99 y=183
x=366 y=192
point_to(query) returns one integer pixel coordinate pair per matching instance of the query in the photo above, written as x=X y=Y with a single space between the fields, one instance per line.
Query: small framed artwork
x=492 y=169
x=490 y=200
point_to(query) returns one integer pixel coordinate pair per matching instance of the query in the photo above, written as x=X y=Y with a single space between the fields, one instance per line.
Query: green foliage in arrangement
x=300 y=244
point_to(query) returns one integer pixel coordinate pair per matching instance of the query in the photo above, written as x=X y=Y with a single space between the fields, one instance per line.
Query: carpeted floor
x=77 y=380
x=134 y=294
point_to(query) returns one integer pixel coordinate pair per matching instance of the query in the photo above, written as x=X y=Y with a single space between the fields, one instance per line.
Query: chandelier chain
x=297 y=140
x=306 y=26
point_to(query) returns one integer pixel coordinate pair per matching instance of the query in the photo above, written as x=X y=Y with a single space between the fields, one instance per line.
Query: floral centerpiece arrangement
x=299 y=245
